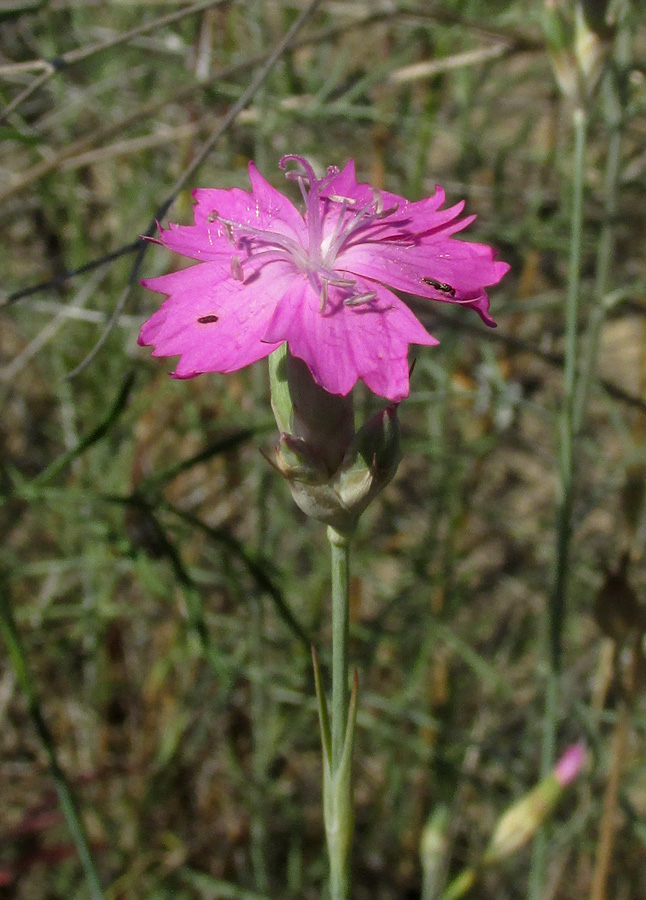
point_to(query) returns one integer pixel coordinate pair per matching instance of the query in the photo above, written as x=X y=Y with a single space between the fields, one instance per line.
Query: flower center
x=316 y=260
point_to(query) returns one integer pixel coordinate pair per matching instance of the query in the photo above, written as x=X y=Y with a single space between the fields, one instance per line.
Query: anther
x=384 y=213
x=323 y=296
x=339 y=281
x=214 y=216
x=358 y=299
x=337 y=198
x=236 y=269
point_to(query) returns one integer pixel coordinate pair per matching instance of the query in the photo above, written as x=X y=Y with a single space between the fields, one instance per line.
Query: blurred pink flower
x=570 y=764
x=268 y=274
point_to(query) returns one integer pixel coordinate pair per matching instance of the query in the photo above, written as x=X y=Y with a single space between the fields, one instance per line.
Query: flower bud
x=305 y=410
x=517 y=825
x=575 y=48
x=332 y=472
x=371 y=461
x=588 y=51
x=434 y=851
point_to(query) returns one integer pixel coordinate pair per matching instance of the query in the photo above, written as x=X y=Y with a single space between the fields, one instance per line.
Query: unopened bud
x=588 y=51
x=517 y=825
x=332 y=472
x=371 y=461
x=575 y=49
x=434 y=851
x=305 y=410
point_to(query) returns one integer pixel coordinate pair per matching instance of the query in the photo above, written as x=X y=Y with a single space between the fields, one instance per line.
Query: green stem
x=604 y=259
x=339 y=877
x=340 y=631
x=64 y=791
x=339 y=791
x=606 y=250
x=567 y=426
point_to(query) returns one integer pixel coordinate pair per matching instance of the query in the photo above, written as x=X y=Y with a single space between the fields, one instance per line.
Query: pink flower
x=268 y=274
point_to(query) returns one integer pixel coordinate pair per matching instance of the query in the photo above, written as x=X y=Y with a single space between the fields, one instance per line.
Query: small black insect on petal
x=440 y=286
x=207 y=320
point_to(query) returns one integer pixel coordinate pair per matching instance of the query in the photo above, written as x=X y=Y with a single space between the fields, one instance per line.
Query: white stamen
x=358 y=299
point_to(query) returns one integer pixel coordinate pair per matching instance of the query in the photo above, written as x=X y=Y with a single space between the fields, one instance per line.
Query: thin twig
x=86 y=292
x=79 y=314
x=428 y=68
x=62 y=279
x=557 y=601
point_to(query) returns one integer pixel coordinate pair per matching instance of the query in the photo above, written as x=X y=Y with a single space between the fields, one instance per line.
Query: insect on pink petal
x=321 y=280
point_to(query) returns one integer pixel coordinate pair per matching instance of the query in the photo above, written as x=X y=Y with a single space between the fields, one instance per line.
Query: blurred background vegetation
x=164 y=587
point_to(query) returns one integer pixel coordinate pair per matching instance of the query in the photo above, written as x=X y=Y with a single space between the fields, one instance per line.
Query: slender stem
x=65 y=796
x=338 y=789
x=558 y=596
x=604 y=261
x=339 y=877
x=613 y=114
x=340 y=630
x=567 y=424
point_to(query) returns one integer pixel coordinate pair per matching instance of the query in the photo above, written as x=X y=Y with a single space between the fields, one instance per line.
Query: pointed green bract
x=324 y=720
x=338 y=806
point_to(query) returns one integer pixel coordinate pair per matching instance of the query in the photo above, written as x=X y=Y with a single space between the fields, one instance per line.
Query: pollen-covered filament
x=317 y=260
